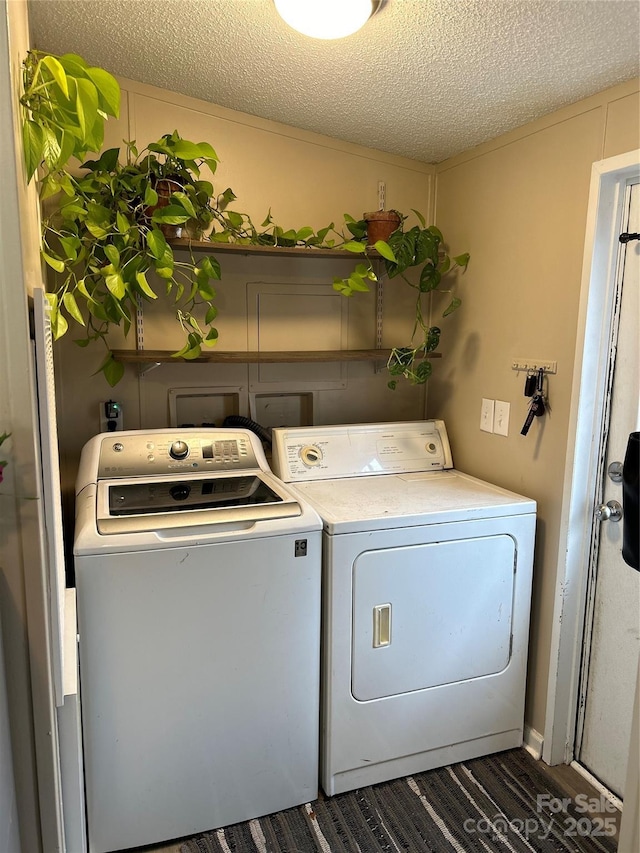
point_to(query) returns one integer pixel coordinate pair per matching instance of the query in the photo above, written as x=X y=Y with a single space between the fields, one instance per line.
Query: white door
x=612 y=632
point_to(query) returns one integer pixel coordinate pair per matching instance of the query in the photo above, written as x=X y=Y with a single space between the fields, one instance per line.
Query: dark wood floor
x=565 y=777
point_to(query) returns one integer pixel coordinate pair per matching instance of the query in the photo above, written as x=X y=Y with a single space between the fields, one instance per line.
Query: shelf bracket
x=142 y=371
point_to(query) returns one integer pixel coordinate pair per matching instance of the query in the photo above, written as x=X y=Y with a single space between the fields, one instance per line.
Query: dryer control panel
x=357 y=450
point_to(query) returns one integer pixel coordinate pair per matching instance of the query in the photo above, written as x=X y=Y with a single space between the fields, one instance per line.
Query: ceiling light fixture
x=326 y=19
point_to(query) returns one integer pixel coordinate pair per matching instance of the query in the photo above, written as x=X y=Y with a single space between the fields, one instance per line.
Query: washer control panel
x=329 y=452
x=138 y=454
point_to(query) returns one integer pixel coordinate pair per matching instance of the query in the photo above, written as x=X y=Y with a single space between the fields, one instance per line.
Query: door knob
x=611 y=511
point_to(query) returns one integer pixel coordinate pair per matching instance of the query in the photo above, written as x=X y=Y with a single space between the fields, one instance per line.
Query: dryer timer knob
x=179 y=449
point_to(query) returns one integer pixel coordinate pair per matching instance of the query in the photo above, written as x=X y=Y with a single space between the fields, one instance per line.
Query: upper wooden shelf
x=284 y=251
x=219 y=357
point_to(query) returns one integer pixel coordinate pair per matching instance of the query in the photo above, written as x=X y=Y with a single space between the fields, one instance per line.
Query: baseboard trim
x=597 y=784
x=533 y=742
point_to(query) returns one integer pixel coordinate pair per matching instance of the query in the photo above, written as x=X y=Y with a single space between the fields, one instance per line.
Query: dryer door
x=431 y=614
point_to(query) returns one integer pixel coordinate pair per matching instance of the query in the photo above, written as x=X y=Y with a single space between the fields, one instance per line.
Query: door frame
x=609 y=181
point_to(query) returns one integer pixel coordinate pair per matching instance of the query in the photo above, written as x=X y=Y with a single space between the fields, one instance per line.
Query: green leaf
x=164 y=266
x=55 y=263
x=59 y=325
x=436 y=233
x=235 y=219
x=421 y=218
x=355 y=247
x=429 y=278
x=432 y=339
x=462 y=260
x=116 y=285
x=50 y=148
x=70 y=246
x=57 y=72
x=156 y=243
x=209 y=264
x=455 y=303
x=185 y=201
x=205 y=290
x=356 y=282
x=113 y=370
x=122 y=223
x=210 y=316
x=72 y=307
x=384 y=249
x=423 y=371
x=212 y=335
x=113 y=254
x=144 y=285
x=98 y=220
x=32 y=143
x=304 y=233
x=73 y=64
x=108 y=90
x=150 y=196
x=170 y=215
x=186 y=150
x=86 y=105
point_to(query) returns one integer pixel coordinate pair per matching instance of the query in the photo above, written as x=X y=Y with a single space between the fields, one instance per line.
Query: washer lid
x=360 y=504
x=141 y=504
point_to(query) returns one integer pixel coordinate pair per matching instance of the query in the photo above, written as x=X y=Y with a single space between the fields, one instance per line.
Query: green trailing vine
x=108 y=239
x=420 y=247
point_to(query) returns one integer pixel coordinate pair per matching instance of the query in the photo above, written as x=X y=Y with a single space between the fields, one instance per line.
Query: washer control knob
x=311 y=455
x=431 y=447
x=179 y=450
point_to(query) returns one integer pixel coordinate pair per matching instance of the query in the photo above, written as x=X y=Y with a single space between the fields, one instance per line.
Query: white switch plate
x=501 y=417
x=486 y=415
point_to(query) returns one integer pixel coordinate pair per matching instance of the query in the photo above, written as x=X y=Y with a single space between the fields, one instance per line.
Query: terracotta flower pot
x=381 y=224
x=164 y=187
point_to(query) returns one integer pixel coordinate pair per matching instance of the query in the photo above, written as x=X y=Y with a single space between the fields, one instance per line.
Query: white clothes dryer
x=198 y=595
x=426 y=599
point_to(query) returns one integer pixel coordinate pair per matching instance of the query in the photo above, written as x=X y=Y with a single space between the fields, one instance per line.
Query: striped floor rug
x=503 y=802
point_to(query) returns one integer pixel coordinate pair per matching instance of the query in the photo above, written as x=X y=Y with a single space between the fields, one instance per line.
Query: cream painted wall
x=518 y=204
x=306 y=179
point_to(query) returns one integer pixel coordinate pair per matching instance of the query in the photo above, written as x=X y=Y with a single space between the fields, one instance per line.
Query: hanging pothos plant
x=107 y=238
x=421 y=247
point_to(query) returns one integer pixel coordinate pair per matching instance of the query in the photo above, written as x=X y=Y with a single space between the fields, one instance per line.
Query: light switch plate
x=501 y=417
x=486 y=415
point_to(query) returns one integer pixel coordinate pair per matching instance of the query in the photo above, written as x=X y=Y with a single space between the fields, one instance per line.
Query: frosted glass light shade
x=326 y=19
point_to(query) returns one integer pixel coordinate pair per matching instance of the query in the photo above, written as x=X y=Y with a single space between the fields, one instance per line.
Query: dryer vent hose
x=263 y=433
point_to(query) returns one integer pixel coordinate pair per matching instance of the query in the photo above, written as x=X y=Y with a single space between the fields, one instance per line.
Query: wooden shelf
x=219 y=357
x=285 y=251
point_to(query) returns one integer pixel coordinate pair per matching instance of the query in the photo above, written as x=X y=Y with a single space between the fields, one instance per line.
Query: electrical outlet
x=501 y=417
x=486 y=415
x=111 y=419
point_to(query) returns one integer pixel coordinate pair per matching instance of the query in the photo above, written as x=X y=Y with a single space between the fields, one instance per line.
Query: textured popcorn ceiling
x=424 y=78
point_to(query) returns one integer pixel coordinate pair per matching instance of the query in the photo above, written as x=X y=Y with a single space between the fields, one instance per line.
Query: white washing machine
x=426 y=599
x=198 y=593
